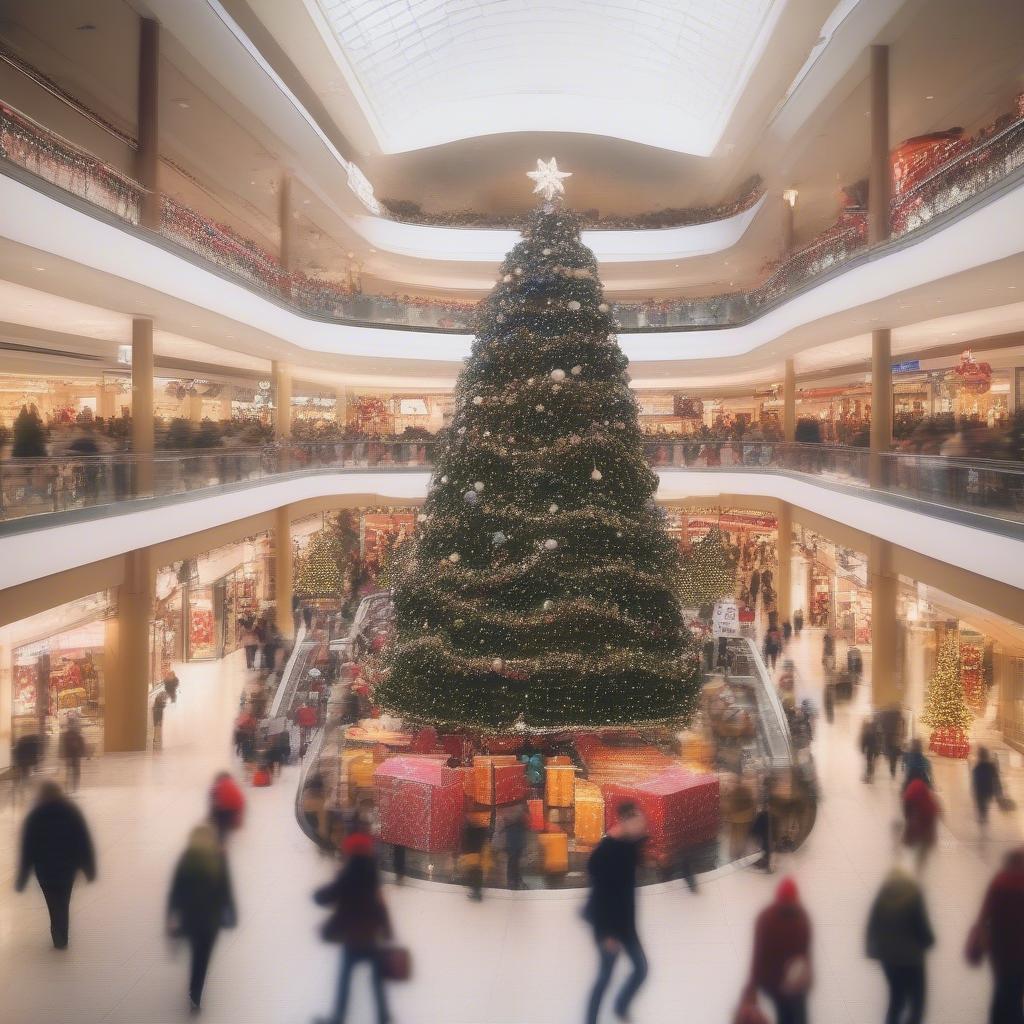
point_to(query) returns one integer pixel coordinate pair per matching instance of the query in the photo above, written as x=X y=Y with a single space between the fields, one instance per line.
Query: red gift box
x=499 y=780
x=536 y=812
x=420 y=803
x=681 y=807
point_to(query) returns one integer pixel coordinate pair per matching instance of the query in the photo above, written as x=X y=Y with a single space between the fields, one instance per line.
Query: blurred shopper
x=200 y=903
x=227 y=805
x=916 y=765
x=28 y=752
x=828 y=653
x=171 y=684
x=56 y=845
x=798 y=622
x=472 y=854
x=72 y=748
x=772 y=646
x=763 y=826
x=921 y=818
x=159 y=704
x=893 y=727
x=517 y=834
x=999 y=934
x=787 y=632
x=307 y=616
x=898 y=936
x=870 y=747
x=781 y=964
x=305 y=719
x=249 y=641
x=359 y=921
x=611 y=907
x=854 y=663
x=739 y=807
x=986 y=785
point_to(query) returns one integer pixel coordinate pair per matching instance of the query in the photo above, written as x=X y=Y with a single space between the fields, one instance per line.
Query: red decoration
x=536 y=812
x=682 y=809
x=974 y=377
x=498 y=780
x=949 y=743
x=420 y=803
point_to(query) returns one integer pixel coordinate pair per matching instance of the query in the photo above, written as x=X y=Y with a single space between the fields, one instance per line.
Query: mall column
x=282 y=411
x=886 y=686
x=127 y=687
x=142 y=406
x=880 y=166
x=784 y=582
x=147 y=152
x=286 y=223
x=881 y=405
x=283 y=583
x=789 y=403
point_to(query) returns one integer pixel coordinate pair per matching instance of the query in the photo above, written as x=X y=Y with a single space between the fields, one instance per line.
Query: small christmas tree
x=708 y=571
x=945 y=709
x=29 y=435
x=319 y=573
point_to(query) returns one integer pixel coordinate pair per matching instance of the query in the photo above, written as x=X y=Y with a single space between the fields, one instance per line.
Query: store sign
x=725 y=619
x=907 y=366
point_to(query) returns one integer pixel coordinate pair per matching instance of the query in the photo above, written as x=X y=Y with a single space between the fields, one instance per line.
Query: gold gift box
x=559 y=789
x=554 y=848
x=589 y=813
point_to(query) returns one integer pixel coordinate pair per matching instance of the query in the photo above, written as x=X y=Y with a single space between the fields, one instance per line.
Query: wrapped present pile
x=681 y=807
x=608 y=763
x=420 y=803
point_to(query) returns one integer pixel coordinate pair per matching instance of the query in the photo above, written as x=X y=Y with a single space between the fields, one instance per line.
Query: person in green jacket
x=898 y=936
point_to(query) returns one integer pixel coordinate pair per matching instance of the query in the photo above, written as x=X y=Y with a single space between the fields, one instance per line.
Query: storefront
x=830 y=586
x=52 y=670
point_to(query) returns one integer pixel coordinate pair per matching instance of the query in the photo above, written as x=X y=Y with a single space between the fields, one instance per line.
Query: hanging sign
x=725 y=619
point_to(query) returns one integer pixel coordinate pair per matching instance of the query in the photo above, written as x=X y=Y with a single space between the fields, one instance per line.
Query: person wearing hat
x=781 y=963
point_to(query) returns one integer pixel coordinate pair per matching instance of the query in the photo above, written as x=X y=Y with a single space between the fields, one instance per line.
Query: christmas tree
x=29 y=435
x=709 y=571
x=319 y=573
x=542 y=591
x=945 y=709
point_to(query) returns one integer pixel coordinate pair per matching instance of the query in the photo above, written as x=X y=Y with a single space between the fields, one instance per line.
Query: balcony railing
x=33 y=487
x=990 y=159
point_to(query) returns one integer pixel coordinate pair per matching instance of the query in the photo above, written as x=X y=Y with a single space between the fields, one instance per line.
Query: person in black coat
x=986 y=785
x=200 y=903
x=56 y=845
x=611 y=907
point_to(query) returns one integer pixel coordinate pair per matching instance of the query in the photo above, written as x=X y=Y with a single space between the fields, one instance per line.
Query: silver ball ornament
x=557 y=375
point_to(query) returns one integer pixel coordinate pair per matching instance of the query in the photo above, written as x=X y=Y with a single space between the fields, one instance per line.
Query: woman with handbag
x=359 y=922
x=200 y=903
x=781 y=964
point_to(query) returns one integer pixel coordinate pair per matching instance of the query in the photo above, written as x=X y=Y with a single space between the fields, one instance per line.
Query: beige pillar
x=341 y=405
x=784 y=583
x=108 y=401
x=225 y=409
x=789 y=403
x=880 y=168
x=195 y=408
x=142 y=404
x=147 y=153
x=886 y=681
x=286 y=223
x=881 y=404
x=283 y=571
x=127 y=682
x=282 y=401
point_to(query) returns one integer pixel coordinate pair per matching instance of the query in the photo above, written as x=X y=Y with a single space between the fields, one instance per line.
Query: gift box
x=589 y=813
x=420 y=803
x=358 y=768
x=554 y=848
x=536 y=812
x=559 y=782
x=559 y=759
x=681 y=807
x=498 y=780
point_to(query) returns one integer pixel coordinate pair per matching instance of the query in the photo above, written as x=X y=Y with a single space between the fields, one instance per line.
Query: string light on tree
x=945 y=709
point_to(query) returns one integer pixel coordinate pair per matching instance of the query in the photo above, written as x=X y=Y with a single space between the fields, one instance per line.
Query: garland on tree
x=542 y=590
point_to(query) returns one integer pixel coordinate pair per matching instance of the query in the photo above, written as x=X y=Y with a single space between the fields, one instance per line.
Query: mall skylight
x=666 y=73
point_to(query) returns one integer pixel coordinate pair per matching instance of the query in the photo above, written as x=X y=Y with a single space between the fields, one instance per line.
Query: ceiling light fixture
x=789 y=196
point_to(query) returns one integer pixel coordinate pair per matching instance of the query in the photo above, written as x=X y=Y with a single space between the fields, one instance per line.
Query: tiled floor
x=504 y=960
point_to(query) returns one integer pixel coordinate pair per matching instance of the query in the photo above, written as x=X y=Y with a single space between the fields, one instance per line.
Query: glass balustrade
x=31 y=487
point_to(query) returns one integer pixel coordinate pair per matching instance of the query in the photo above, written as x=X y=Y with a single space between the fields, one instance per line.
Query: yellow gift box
x=360 y=770
x=559 y=783
x=589 y=813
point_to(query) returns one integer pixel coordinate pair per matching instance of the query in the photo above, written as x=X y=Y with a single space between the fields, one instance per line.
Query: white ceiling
x=666 y=73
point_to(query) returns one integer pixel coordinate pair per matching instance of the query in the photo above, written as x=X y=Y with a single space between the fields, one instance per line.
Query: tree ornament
x=545 y=252
x=576 y=371
x=551 y=544
x=529 y=381
x=478 y=400
x=517 y=271
x=479 y=487
x=497 y=664
x=548 y=605
x=459 y=623
x=555 y=388
x=498 y=539
x=596 y=475
x=471 y=497
x=444 y=479
x=454 y=557
x=552 y=508
x=507 y=278
x=422 y=517
x=602 y=307
x=539 y=407
x=573 y=304
x=557 y=375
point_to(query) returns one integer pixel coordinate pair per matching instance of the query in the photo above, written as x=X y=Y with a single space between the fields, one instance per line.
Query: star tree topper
x=548 y=179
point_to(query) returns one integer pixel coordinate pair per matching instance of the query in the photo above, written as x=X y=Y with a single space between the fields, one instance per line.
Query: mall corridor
x=511 y=959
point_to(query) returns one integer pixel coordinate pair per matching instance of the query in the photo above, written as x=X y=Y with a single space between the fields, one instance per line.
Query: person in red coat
x=227 y=804
x=781 y=965
x=999 y=932
x=921 y=818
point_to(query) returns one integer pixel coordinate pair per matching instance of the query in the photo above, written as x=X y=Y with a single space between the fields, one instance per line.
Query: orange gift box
x=559 y=785
x=554 y=847
x=589 y=813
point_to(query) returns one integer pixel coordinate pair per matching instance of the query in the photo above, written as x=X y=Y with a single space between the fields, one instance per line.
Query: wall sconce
x=789 y=195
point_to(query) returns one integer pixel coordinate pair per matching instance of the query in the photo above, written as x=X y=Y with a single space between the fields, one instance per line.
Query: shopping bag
x=395 y=963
